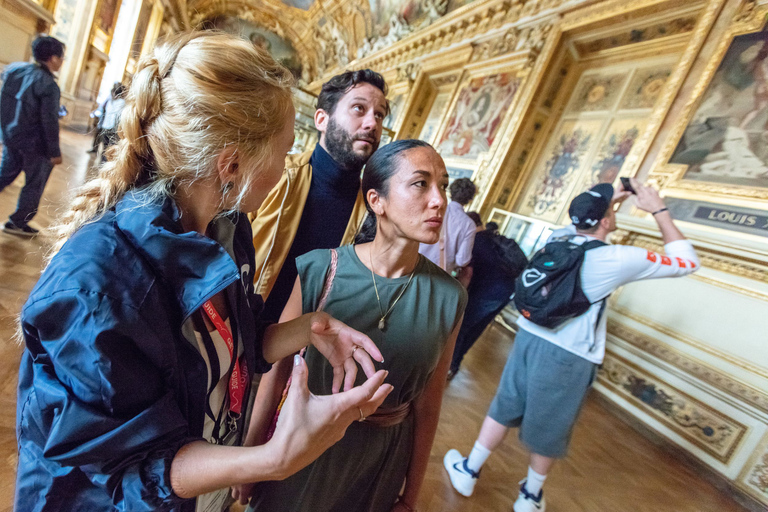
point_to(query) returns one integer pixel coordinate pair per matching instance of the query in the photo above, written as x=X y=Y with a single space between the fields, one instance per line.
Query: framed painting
x=560 y=167
x=613 y=150
x=717 y=152
x=713 y=167
x=597 y=92
x=500 y=217
x=645 y=87
x=530 y=234
x=435 y=114
x=395 y=105
x=477 y=115
x=725 y=140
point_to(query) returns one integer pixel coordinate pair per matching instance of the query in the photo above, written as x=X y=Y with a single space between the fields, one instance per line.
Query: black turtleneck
x=332 y=196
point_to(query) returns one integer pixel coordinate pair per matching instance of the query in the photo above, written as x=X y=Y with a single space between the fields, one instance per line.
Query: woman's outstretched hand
x=342 y=346
x=309 y=424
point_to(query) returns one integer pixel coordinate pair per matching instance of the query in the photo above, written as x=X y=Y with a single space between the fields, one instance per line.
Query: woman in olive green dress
x=412 y=310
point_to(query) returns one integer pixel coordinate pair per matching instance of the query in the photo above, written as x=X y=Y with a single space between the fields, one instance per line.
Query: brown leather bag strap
x=329 y=280
x=389 y=417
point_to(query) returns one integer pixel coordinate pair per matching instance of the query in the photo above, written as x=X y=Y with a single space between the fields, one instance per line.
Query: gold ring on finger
x=353 y=351
x=362 y=416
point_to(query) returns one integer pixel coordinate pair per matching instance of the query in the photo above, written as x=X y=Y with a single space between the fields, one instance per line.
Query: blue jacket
x=109 y=386
x=29 y=109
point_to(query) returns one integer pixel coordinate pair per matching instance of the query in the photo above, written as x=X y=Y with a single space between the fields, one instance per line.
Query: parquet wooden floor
x=611 y=467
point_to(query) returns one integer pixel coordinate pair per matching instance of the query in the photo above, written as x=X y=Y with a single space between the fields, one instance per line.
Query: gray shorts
x=542 y=391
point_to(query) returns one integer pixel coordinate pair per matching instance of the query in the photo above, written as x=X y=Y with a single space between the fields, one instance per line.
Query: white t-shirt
x=604 y=270
x=458 y=237
x=112 y=111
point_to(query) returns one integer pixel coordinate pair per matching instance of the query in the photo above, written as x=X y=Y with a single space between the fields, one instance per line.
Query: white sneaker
x=463 y=479
x=527 y=502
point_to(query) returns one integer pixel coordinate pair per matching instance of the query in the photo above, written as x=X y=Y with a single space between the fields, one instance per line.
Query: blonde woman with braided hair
x=142 y=334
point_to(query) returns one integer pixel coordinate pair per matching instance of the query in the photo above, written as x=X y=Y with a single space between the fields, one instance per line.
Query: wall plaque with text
x=732 y=218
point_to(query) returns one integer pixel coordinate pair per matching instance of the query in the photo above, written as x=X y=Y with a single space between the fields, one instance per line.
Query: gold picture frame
x=671 y=176
x=510 y=74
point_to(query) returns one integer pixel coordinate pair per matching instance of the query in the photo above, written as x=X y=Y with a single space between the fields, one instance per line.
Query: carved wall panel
x=754 y=478
x=604 y=118
x=699 y=424
x=476 y=116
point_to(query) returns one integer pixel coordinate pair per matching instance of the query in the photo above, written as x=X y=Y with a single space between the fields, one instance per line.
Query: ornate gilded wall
x=538 y=100
x=20 y=20
x=87 y=28
x=535 y=100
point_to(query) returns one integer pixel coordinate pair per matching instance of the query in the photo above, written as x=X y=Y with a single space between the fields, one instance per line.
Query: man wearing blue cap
x=550 y=370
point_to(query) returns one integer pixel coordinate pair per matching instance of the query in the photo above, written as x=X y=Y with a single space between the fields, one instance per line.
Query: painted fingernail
x=296 y=360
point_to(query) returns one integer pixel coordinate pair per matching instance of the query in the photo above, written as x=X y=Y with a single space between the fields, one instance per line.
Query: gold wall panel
x=698 y=423
x=754 y=477
x=476 y=116
x=755 y=397
x=626 y=64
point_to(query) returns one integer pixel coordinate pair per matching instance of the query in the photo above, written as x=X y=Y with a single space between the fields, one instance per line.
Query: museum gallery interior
x=535 y=101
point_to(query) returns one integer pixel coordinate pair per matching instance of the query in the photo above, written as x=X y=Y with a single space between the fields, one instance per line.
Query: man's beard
x=340 y=145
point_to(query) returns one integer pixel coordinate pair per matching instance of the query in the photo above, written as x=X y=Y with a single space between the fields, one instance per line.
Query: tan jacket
x=277 y=220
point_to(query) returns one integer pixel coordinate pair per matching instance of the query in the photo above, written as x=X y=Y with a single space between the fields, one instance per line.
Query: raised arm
x=649 y=200
x=679 y=258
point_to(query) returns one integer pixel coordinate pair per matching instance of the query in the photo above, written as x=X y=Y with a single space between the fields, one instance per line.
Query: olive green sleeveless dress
x=365 y=471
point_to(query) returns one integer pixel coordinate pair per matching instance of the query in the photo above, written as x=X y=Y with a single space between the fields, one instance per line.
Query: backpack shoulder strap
x=593 y=244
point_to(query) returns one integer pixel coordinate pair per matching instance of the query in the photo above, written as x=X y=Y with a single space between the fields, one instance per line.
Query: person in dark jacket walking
x=29 y=119
x=143 y=333
x=492 y=283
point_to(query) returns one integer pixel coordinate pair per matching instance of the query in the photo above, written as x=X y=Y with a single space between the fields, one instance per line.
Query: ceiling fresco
x=321 y=36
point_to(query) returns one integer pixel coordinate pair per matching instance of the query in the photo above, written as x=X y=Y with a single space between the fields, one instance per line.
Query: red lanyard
x=239 y=376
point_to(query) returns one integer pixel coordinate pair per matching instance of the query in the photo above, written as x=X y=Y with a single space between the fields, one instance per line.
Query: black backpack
x=512 y=258
x=548 y=292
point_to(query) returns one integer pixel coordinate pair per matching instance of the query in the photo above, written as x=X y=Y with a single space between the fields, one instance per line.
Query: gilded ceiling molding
x=408 y=72
x=617 y=10
x=690 y=365
x=269 y=14
x=445 y=80
x=463 y=24
x=748 y=13
x=513 y=40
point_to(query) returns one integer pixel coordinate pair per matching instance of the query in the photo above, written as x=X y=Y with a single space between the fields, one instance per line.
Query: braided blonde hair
x=194 y=95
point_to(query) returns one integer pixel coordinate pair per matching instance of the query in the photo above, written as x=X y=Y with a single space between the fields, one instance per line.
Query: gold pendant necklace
x=383 y=319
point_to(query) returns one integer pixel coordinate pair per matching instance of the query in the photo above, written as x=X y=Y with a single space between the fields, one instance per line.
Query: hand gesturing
x=342 y=346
